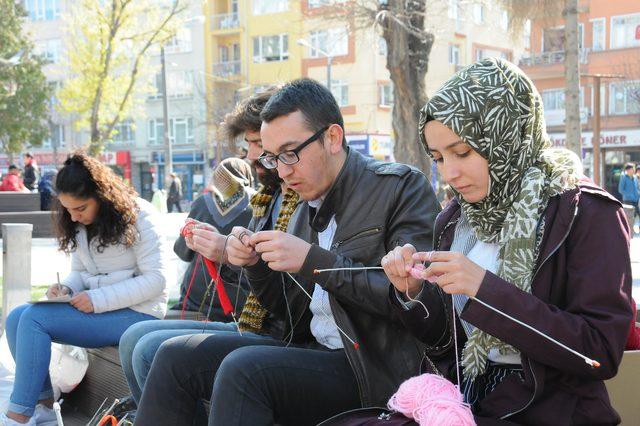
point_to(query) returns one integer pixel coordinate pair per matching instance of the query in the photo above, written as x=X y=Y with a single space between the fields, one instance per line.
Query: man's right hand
x=208 y=243
x=57 y=290
x=240 y=252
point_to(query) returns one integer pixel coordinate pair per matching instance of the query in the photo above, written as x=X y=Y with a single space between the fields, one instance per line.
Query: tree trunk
x=572 y=78
x=407 y=61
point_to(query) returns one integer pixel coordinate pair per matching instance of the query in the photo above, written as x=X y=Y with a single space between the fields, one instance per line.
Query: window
x=49 y=50
x=42 y=10
x=54 y=86
x=625 y=31
x=223 y=53
x=236 y=51
x=553 y=99
x=156 y=132
x=271 y=48
x=56 y=139
x=334 y=41
x=179 y=43
x=179 y=84
x=386 y=95
x=491 y=53
x=123 y=132
x=454 y=54
x=382 y=46
x=263 y=7
x=527 y=34
x=553 y=39
x=180 y=131
x=319 y=3
x=340 y=91
x=504 y=20
x=454 y=10
x=599 y=34
x=478 y=13
x=624 y=98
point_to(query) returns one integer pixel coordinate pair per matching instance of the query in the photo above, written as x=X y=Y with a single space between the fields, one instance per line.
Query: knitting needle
x=357 y=268
x=589 y=361
x=586 y=359
x=354 y=343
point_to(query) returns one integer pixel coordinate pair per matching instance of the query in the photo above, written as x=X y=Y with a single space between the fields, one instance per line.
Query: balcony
x=226 y=69
x=552 y=58
x=225 y=21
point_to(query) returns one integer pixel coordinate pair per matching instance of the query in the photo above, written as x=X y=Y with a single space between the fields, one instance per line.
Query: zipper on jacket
x=359 y=234
x=535 y=382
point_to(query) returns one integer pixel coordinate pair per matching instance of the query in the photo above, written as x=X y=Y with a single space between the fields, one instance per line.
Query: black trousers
x=250 y=380
x=170 y=205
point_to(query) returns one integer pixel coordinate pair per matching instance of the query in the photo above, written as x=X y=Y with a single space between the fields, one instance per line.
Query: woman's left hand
x=452 y=271
x=82 y=302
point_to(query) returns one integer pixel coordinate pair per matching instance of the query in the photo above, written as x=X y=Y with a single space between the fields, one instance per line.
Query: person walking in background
x=175 y=193
x=46 y=189
x=628 y=189
x=12 y=181
x=31 y=172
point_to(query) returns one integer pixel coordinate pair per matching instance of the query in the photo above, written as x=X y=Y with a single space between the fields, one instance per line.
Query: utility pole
x=597 y=168
x=165 y=117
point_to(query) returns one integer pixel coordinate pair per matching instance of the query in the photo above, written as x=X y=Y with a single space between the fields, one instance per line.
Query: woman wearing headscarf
x=528 y=235
x=226 y=205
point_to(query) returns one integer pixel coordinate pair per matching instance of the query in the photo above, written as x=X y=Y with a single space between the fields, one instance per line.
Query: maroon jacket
x=581 y=295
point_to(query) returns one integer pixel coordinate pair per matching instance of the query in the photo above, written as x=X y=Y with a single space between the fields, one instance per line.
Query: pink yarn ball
x=431 y=400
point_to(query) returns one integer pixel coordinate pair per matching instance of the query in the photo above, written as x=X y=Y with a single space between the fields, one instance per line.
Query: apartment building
x=258 y=43
x=137 y=150
x=609 y=45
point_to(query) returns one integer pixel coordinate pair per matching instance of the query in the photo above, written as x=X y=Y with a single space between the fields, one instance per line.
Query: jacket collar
x=339 y=192
x=559 y=216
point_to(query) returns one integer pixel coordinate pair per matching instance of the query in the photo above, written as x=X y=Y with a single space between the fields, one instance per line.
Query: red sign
x=638 y=32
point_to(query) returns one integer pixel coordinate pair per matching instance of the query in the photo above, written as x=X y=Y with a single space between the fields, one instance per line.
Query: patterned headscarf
x=495 y=108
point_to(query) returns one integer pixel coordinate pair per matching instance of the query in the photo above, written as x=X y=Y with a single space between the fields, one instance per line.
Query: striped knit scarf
x=253 y=314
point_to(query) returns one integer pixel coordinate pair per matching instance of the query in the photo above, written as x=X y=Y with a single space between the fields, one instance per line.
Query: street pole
x=165 y=117
x=596 y=130
x=329 y=62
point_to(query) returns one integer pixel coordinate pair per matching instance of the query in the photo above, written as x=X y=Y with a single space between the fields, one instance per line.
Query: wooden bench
x=104 y=378
x=19 y=201
x=625 y=388
x=42 y=221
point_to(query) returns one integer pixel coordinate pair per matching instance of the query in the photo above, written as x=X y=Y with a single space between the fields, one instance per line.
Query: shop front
x=189 y=165
x=618 y=148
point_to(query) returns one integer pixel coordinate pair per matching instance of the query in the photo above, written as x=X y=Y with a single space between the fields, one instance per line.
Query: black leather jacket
x=377 y=207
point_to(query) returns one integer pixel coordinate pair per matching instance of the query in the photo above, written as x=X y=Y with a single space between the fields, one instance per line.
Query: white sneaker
x=45 y=416
x=6 y=421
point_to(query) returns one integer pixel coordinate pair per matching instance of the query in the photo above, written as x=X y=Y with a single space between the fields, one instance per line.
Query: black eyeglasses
x=270 y=161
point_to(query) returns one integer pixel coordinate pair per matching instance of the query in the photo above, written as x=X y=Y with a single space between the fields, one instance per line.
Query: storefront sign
x=608 y=139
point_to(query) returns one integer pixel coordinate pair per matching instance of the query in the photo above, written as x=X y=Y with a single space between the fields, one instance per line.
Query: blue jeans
x=139 y=344
x=30 y=331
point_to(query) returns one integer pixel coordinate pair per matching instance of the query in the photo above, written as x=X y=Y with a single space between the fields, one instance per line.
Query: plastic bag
x=67 y=367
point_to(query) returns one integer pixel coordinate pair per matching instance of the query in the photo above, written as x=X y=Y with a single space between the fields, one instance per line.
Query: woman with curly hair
x=117 y=279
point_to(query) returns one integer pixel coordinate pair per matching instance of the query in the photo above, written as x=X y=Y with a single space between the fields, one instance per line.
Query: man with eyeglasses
x=347 y=351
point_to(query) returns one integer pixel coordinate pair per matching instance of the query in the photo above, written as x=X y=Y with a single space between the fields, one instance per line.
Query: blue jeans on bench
x=31 y=329
x=139 y=344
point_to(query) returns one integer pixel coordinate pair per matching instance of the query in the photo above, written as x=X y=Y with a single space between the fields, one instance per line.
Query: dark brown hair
x=246 y=115
x=85 y=177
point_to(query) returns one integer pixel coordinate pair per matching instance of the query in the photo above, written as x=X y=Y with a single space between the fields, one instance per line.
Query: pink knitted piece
x=431 y=400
